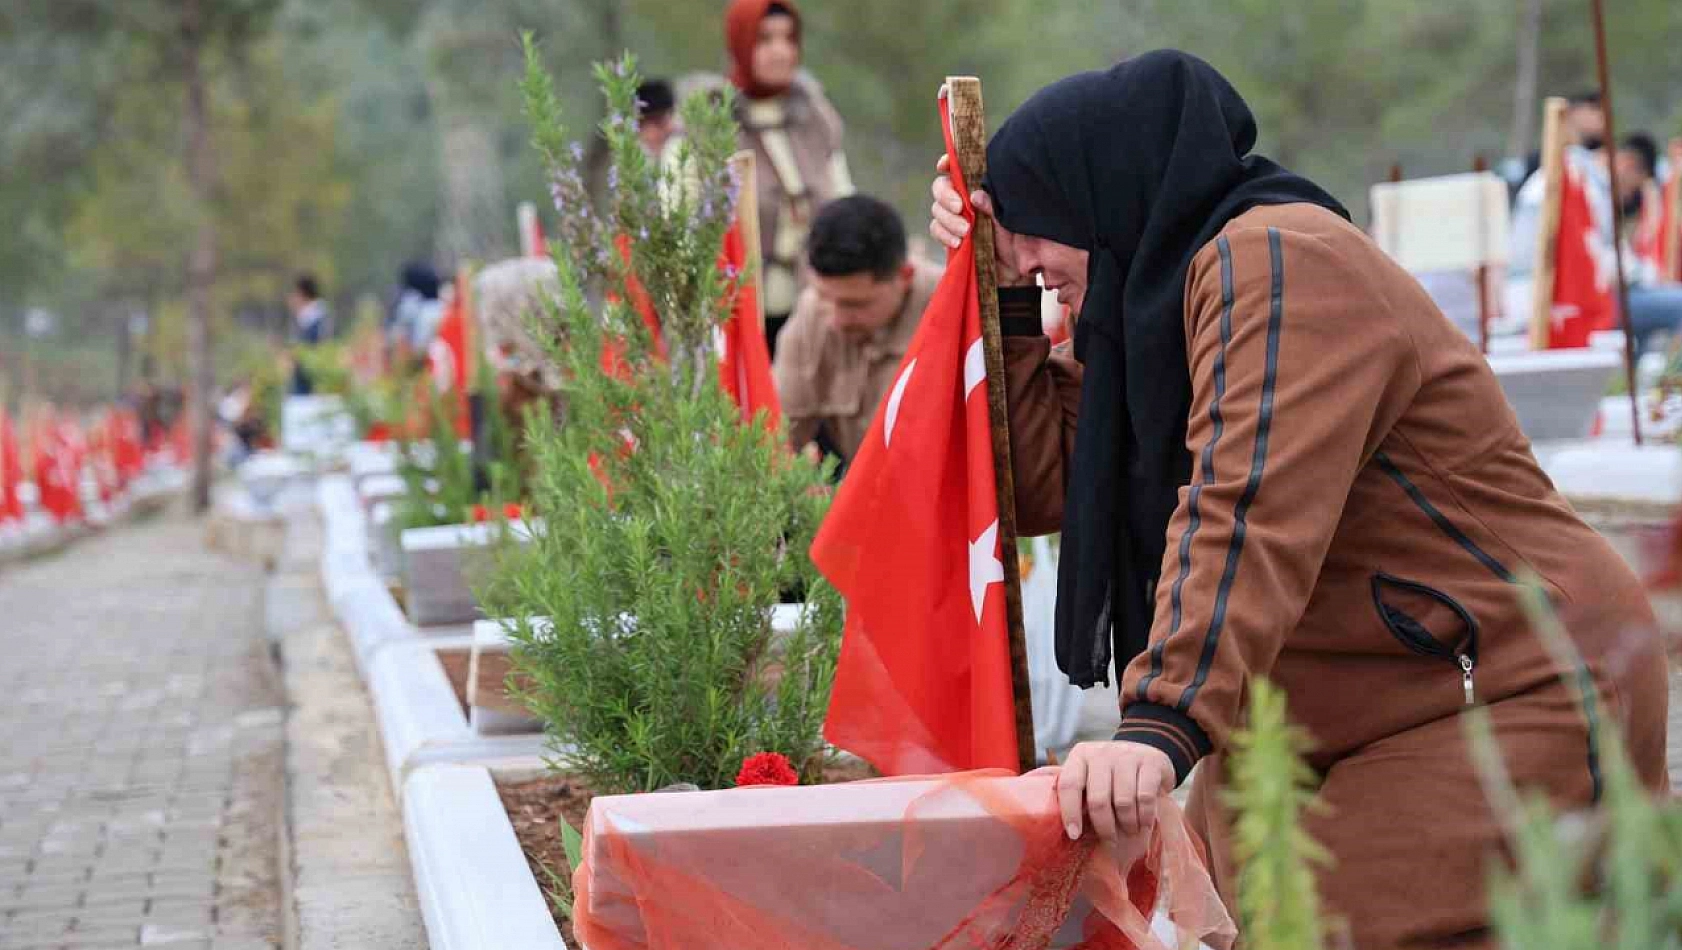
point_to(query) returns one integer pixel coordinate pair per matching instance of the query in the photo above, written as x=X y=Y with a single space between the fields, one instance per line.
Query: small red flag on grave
x=131 y=455
x=912 y=543
x=58 y=467
x=11 y=472
x=1582 y=292
x=744 y=359
x=451 y=356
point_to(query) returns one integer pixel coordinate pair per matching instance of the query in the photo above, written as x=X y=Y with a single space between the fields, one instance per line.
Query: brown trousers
x=1411 y=834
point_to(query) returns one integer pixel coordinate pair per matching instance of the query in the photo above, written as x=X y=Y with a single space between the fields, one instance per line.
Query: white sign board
x=1455 y=222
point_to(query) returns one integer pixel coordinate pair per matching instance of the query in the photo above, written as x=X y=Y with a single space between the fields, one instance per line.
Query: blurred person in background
x=1585 y=127
x=851 y=326
x=795 y=135
x=657 y=120
x=507 y=296
x=1655 y=305
x=414 y=315
x=312 y=325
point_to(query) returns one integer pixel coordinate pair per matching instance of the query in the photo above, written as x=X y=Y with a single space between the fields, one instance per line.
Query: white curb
x=475 y=888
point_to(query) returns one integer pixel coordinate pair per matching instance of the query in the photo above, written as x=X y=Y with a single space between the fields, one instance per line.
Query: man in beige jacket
x=852 y=324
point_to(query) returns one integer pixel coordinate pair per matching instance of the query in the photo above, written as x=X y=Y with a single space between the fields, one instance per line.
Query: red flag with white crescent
x=912 y=543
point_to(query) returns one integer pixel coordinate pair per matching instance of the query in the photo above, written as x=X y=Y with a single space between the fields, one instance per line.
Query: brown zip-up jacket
x=1362 y=504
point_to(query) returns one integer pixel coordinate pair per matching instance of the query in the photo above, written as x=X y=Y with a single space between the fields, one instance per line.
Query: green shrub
x=669 y=528
x=1611 y=879
x=445 y=478
x=1606 y=880
x=1271 y=789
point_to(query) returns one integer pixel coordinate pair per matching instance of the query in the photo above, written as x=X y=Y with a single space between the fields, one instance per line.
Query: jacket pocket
x=1428 y=623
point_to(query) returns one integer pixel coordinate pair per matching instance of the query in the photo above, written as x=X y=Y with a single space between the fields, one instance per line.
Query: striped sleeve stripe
x=1252 y=487
x=1207 y=471
x=1156 y=728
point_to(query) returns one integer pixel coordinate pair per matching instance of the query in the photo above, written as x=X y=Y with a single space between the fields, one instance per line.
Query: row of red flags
x=60 y=450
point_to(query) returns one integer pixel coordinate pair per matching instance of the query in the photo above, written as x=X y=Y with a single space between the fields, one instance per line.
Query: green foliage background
x=354 y=134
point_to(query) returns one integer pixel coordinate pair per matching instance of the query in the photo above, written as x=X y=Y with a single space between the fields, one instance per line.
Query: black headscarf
x=1140 y=165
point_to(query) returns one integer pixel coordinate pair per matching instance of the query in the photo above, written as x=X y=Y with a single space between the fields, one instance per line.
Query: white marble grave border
x=475 y=888
x=420 y=720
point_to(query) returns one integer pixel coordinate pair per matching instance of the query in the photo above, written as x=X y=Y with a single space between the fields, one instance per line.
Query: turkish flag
x=1583 y=266
x=58 y=470
x=450 y=356
x=744 y=359
x=11 y=472
x=613 y=351
x=101 y=459
x=131 y=455
x=912 y=543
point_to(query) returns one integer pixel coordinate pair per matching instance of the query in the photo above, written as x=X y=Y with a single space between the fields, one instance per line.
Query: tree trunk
x=1524 y=85
x=597 y=158
x=125 y=348
x=477 y=219
x=201 y=260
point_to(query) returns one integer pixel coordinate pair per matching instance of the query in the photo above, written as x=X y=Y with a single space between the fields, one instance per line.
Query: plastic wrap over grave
x=965 y=861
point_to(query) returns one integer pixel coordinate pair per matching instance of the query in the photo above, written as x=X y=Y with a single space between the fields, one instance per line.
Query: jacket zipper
x=1418 y=640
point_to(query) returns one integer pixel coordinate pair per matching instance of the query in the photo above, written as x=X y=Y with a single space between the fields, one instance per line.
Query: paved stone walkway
x=141 y=747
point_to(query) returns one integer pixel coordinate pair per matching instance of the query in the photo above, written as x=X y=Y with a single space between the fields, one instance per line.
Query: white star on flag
x=985 y=568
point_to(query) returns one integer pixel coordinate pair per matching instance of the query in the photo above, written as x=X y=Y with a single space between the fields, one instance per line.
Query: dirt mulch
x=456 y=663
x=534 y=806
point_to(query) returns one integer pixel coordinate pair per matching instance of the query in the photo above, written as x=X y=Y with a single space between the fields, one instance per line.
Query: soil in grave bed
x=456 y=664
x=536 y=806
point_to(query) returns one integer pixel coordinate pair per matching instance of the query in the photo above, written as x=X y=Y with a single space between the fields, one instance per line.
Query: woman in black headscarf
x=1272 y=456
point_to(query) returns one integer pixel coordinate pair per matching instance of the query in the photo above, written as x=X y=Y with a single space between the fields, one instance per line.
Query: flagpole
x=1547 y=223
x=969 y=133
x=1602 y=66
x=747 y=218
x=1479 y=166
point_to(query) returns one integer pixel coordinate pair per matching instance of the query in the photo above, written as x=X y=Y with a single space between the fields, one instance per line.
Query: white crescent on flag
x=893 y=402
x=975 y=367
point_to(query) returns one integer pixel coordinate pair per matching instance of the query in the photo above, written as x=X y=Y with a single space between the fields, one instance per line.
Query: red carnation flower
x=767 y=768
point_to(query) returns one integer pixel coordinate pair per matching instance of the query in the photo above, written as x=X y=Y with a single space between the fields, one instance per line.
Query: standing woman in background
x=795 y=135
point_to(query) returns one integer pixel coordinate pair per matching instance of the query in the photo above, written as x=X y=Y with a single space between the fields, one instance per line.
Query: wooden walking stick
x=1547 y=222
x=969 y=133
x=1604 y=69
